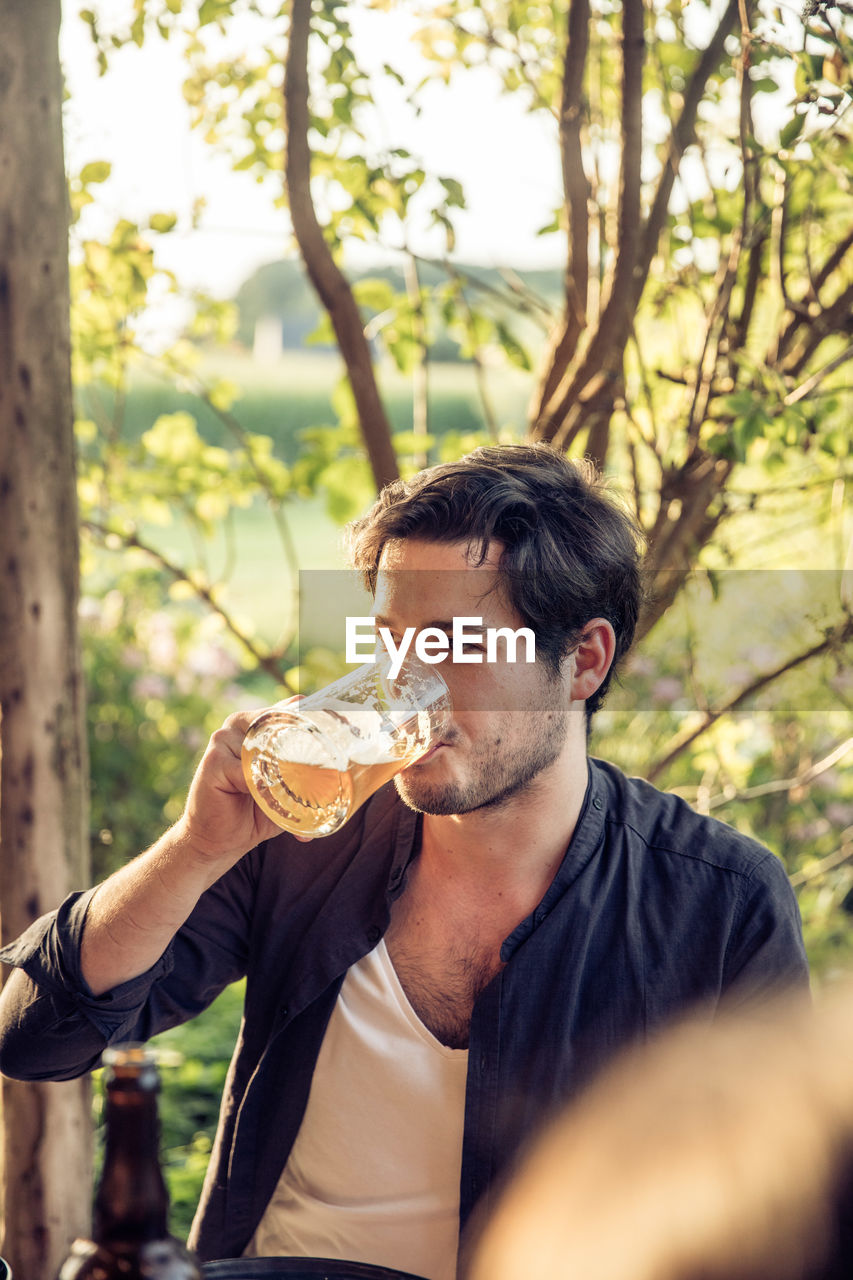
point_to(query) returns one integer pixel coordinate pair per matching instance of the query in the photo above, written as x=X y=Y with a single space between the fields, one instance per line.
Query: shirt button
x=597 y=802
x=373 y=935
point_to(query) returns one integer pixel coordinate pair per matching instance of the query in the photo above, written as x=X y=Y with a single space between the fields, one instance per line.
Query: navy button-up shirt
x=654 y=909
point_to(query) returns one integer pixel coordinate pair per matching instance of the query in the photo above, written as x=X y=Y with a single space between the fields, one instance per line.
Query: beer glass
x=310 y=764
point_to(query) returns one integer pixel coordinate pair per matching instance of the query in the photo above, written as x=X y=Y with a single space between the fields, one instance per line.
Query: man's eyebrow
x=441 y=624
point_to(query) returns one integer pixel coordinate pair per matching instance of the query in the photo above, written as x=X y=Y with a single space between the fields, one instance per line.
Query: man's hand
x=221 y=821
x=135 y=913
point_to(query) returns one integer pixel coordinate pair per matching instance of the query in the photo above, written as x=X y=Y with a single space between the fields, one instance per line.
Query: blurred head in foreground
x=718 y=1152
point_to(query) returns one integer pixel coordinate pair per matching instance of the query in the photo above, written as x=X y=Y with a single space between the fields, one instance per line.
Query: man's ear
x=592 y=658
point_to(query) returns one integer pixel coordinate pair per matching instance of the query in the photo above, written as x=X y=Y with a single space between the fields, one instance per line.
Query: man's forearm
x=134 y=914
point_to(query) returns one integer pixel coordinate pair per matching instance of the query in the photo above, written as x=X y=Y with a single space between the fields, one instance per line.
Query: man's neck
x=519 y=842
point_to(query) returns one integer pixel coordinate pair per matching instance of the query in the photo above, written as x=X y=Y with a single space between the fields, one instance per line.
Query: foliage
x=717 y=387
x=699 y=353
x=193 y=1061
x=707 y=219
x=159 y=681
x=777 y=767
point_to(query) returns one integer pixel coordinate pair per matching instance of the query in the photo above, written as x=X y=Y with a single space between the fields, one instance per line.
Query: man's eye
x=471 y=647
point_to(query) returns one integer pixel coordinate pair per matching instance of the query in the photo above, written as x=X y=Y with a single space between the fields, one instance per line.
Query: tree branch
x=524 y=298
x=754 y=276
x=723 y=285
x=275 y=505
x=833 y=262
x=683 y=134
x=420 y=373
x=837 y=859
x=798 y=486
x=837 y=317
x=685 y=496
x=811 y=384
x=269 y=662
x=784 y=784
x=746 y=129
x=495 y=37
x=576 y=193
x=750 y=236
x=566 y=412
x=476 y=359
x=803 y=315
x=779 y=227
x=325 y=275
x=521 y=297
x=833 y=639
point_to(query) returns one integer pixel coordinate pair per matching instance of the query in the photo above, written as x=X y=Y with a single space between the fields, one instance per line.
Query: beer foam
x=301 y=746
x=383 y=751
x=350 y=735
x=361 y=734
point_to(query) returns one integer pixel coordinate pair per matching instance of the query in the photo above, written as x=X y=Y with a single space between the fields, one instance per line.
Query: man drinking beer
x=425 y=986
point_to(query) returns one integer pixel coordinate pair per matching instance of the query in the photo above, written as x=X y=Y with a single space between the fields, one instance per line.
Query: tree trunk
x=44 y=775
x=324 y=273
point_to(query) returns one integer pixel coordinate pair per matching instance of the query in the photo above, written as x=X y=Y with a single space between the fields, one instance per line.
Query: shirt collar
x=585 y=841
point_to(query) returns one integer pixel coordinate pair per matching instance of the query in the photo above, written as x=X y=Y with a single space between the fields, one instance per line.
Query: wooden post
x=44 y=773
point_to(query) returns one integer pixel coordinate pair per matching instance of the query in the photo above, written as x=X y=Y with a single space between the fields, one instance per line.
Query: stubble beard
x=504 y=769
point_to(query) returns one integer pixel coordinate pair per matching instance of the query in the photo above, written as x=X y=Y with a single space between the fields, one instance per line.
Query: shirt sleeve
x=766 y=951
x=52 y=1027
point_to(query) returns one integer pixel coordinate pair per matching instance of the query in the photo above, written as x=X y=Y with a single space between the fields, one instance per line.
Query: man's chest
x=442 y=985
x=444 y=958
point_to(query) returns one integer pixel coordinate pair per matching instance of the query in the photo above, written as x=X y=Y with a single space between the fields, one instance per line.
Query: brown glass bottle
x=130 y=1233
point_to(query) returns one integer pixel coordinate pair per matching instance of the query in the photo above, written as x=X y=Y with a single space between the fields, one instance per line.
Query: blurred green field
x=282 y=400
x=249 y=564
x=246 y=559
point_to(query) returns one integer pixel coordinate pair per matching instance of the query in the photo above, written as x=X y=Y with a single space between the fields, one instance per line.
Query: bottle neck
x=132 y=1203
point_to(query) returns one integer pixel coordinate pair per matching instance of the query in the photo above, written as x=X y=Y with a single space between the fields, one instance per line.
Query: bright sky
x=136 y=118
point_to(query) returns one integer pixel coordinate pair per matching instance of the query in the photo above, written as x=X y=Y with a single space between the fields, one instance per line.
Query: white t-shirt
x=374 y=1172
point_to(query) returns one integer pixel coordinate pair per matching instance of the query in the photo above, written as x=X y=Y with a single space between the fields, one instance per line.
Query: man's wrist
x=193 y=853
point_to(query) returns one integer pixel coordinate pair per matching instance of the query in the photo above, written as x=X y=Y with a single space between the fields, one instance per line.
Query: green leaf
x=407 y=442
x=455 y=194
x=374 y=294
x=349 y=488
x=173 y=438
x=791 y=131
x=550 y=227
x=223 y=393
x=515 y=352
x=85 y=430
x=163 y=222
x=95 y=171
x=343 y=403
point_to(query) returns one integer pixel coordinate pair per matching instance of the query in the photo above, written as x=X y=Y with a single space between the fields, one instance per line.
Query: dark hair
x=570 y=554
